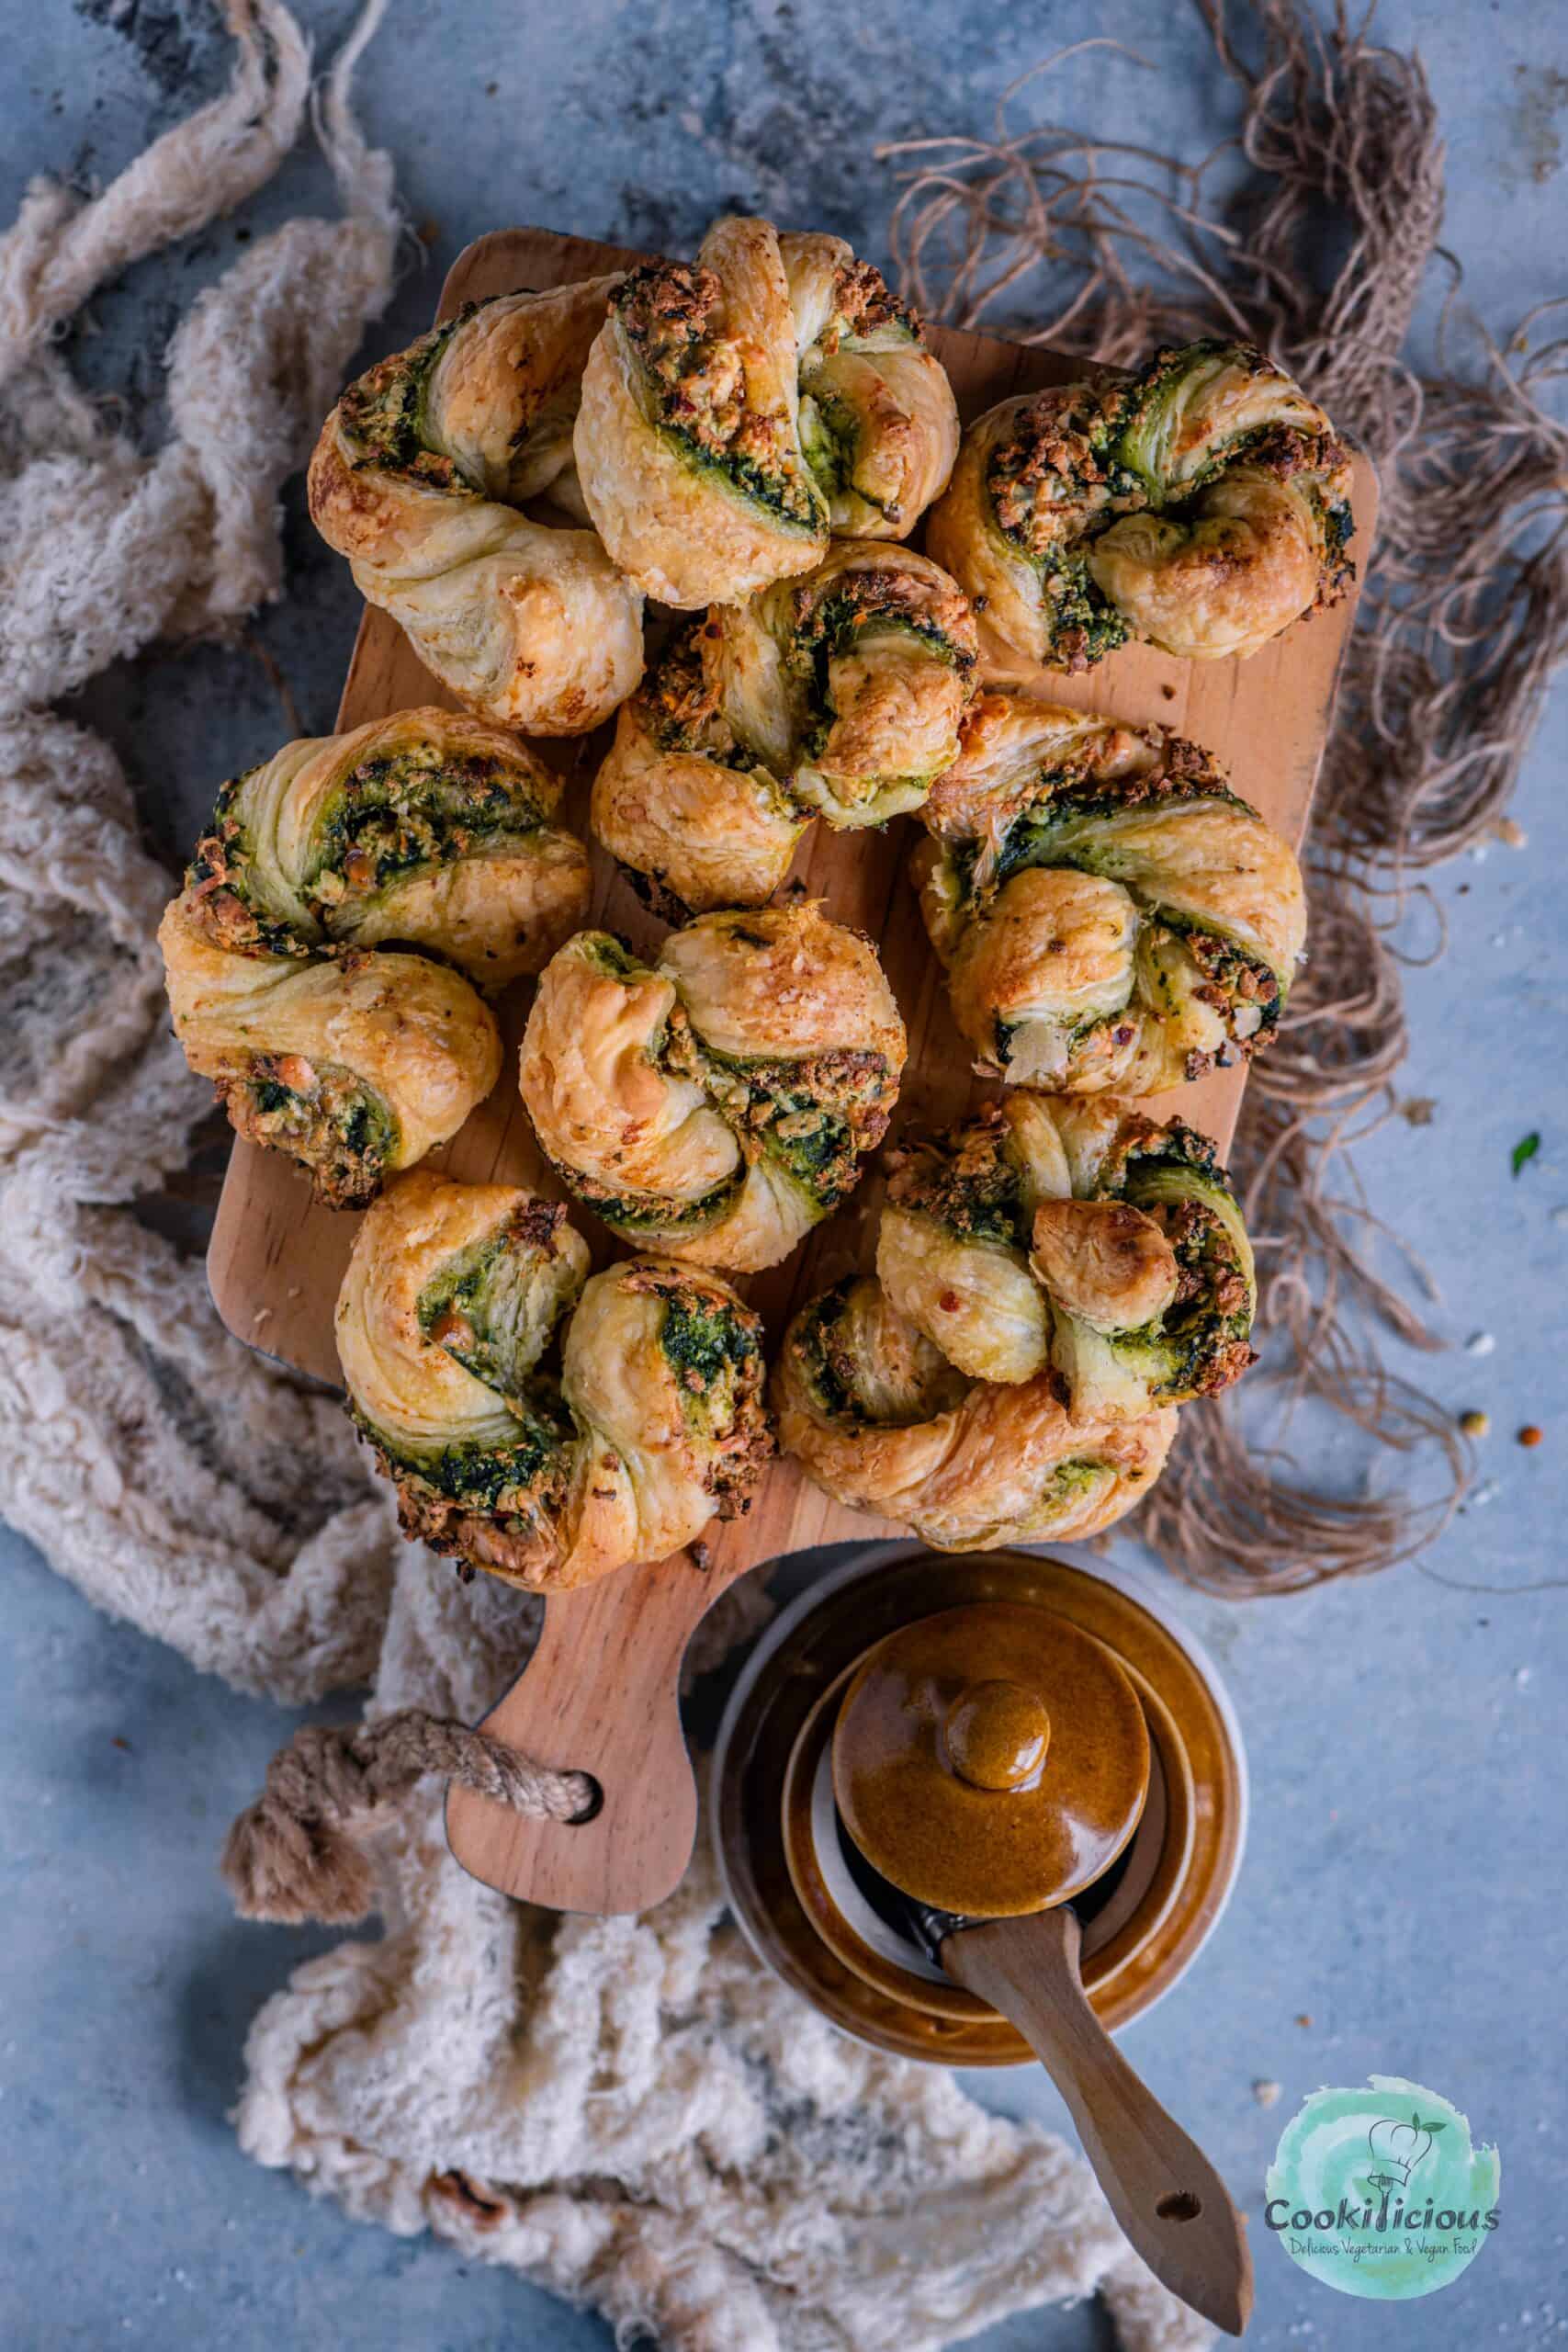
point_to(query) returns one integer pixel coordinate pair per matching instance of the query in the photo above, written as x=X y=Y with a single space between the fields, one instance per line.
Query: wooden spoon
x=1161 y=2187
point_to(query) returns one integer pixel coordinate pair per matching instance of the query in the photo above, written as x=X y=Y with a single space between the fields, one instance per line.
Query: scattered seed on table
x=1531 y=1435
x=1475 y=1424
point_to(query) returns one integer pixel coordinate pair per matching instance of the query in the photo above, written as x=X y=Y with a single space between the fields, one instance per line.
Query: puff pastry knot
x=838 y=695
x=879 y=1419
x=714 y=1106
x=422 y=477
x=652 y=1424
x=736 y=410
x=1078 y=1235
x=353 y=1055
x=1203 y=503
x=1110 y=915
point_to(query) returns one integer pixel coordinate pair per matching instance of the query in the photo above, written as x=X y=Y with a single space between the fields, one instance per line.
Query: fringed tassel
x=296 y=1855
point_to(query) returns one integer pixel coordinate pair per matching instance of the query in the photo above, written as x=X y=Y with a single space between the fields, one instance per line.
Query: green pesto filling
x=829 y=437
x=713 y=1353
x=812 y=1342
x=812 y=1141
x=358 y=1121
x=780 y=492
x=500 y=1339
x=412 y=810
x=983 y=1204
x=640 y=1213
x=383 y=412
x=1068 y=1482
x=1082 y=623
x=524 y=1474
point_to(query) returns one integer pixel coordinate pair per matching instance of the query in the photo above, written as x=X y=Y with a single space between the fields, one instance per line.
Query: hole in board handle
x=1179 y=2205
x=592 y=1804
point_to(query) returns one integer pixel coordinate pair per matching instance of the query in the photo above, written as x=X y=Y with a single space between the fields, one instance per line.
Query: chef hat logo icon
x=1397 y=2148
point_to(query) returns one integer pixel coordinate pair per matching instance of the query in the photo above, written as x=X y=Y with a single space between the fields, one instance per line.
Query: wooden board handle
x=601 y=1694
x=1158 y=2183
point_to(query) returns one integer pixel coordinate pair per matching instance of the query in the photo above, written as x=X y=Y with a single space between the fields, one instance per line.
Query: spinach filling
x=981 y=1200
x=482 y=1309
x=779 y=491
x=321 y=1114
x=1082 y=624
x=488 y=1311
x=525 y=1477
x=715 y=1356
x=813 y=1342
x=635 y=1214
x=829 y=442
x=812 y=1119
x=383 y=412
x=410 y=810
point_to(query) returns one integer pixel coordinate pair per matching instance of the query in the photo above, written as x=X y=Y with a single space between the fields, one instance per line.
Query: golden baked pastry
x=716 y=1105
x=355 y=1058
x=839 y=695
x=421 y=477
x=1203 y=503
x=879 y=1419
x=1110 y=915
x=1077 y=1234
x=737 y=409
x=653 y=1425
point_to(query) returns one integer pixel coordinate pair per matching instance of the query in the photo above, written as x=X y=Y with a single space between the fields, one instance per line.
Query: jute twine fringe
x=1320 y=255
x=296 y=1853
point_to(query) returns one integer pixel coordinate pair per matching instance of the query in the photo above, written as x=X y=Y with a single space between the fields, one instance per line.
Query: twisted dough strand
x=1202 y=504
x=839 y=695
x=737 y=409
x=354 y=1056
x=1111 y=916
x=453 y=1299
x=421 y=476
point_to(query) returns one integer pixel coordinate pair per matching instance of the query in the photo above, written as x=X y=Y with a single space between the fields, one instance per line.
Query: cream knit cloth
x=628 y=2111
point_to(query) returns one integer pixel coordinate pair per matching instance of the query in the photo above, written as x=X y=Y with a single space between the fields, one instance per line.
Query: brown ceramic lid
x=990 y=1760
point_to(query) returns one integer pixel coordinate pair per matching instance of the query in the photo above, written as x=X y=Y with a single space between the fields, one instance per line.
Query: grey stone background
x=1401 y=1907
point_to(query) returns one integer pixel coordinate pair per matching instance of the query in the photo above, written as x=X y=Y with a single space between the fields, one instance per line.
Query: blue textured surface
x=1404 y=1889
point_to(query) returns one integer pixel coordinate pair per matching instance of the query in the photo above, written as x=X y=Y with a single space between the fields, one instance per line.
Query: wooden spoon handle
x=600 y=1694
x=1161 y=2187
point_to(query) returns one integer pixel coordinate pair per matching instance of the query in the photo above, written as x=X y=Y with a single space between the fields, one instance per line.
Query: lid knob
x=996 y=1733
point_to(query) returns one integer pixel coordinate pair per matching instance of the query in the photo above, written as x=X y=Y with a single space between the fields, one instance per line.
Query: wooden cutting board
x=599 y=1691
